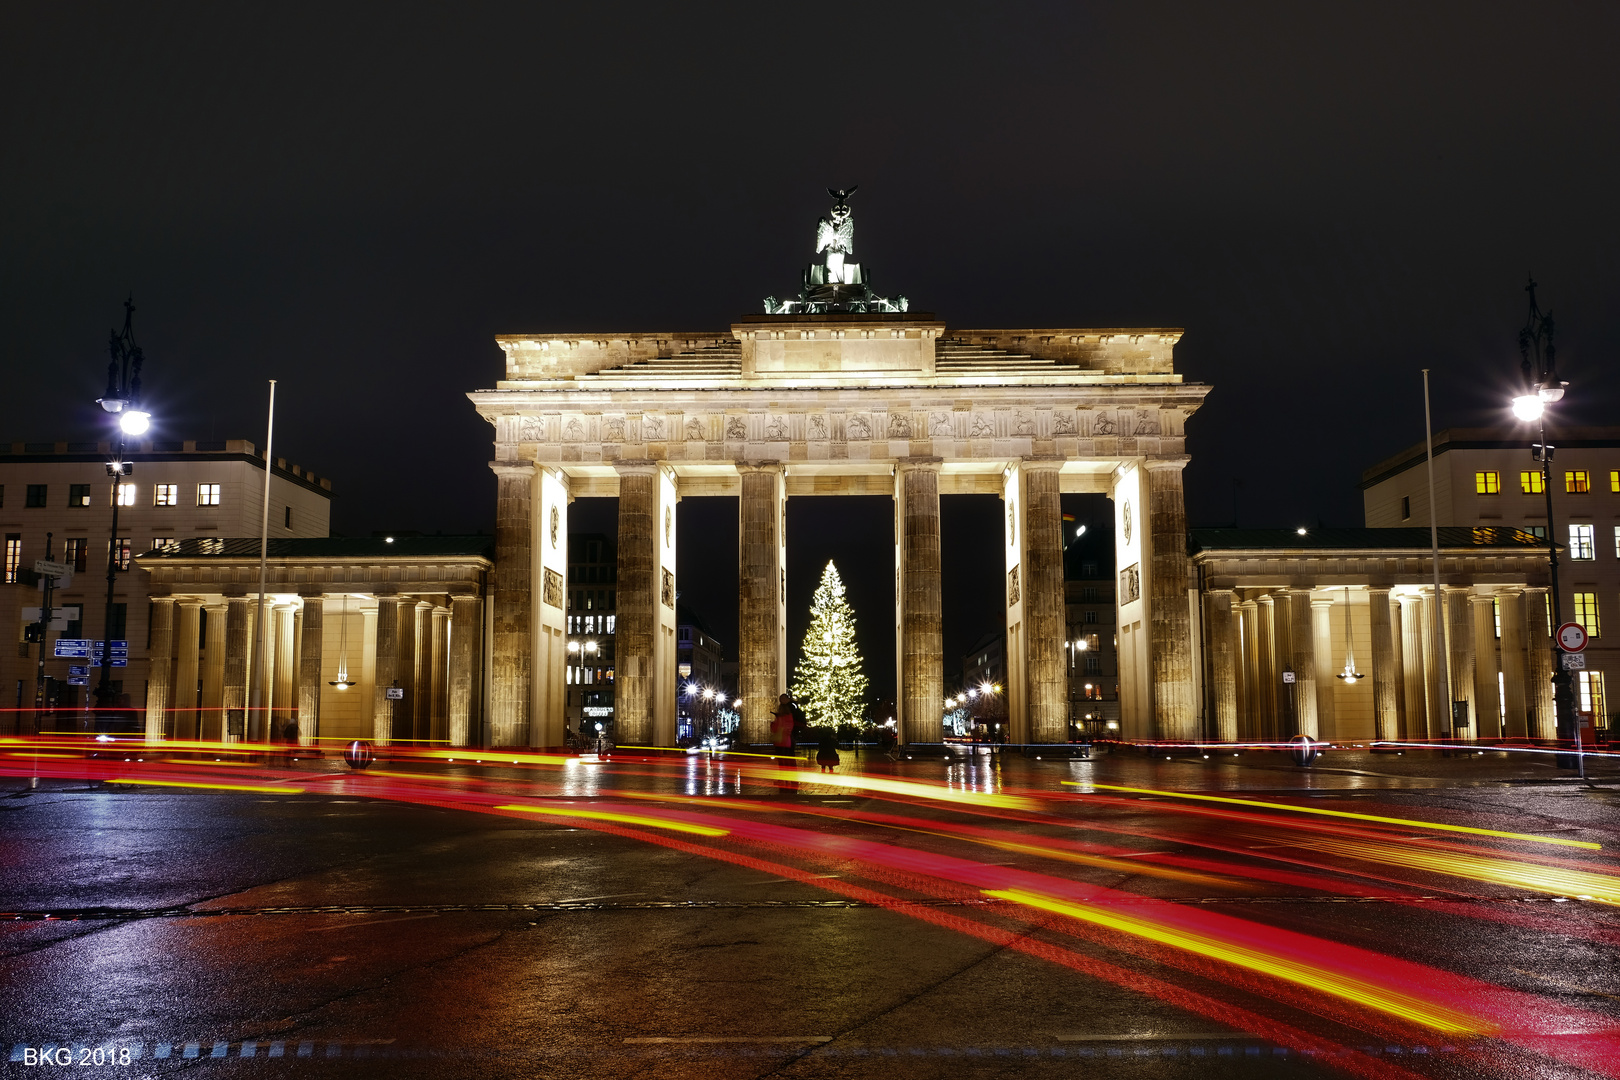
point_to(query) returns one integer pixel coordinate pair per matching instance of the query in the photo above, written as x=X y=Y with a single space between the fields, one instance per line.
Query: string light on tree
x=829 y=683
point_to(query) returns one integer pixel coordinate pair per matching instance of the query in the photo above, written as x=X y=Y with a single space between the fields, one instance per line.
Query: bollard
x=358 y=754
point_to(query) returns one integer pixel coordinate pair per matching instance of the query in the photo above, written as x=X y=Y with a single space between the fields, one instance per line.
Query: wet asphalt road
x=332 y=934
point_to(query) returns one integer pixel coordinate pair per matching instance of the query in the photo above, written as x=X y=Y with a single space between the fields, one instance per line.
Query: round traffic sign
x=1572 y=637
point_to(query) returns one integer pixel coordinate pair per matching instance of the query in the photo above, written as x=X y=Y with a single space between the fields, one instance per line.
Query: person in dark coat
x=827 y=748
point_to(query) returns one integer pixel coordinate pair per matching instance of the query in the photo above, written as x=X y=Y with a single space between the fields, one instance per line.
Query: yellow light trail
x=37 y=754
x=1556 y=880
x=496 y=757
x=1403 y=822
x=896 y=787
x=622 y=819
x=216 y=787
x=1346 y=987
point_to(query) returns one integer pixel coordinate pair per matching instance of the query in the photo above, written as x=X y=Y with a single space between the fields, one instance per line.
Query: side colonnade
x=1286 y=619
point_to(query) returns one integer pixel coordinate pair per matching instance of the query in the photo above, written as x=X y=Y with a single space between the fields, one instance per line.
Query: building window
x=121 y=552
x=1531 y=483
x=1586 y=613
x=13 y=557
x=166 y=495
x=1488 y=483
x=1089 y=593
x=35 y=496
x=75 y=552
x=1589 y=684
x=1537 y=531
x=286 y=518
x=1614 y=481
x=1088 y=569
x=1581 y=545
x=1617 y=541
x=1090 y=617
x=120 y=623
x=166 y=543
x=1093 y=664
x=1577 y=482
x=1406 y=507
x=78 y=494
x=207 y=494
x=126 y=494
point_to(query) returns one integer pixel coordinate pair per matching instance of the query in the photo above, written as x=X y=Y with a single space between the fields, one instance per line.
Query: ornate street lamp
x=1542 y=387
x=123 y=401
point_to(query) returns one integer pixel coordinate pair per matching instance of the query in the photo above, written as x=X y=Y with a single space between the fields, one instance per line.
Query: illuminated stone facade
x=895 y=405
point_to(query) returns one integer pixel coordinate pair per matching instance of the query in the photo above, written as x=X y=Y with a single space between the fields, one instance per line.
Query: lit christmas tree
x=829 y=684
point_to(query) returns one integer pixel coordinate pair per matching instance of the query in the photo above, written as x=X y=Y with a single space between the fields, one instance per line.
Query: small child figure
x=827 y=749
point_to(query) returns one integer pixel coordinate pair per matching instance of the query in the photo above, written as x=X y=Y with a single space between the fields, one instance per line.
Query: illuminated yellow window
x=1614 y=480
x=1590 y=686
x=1488 y=483
x=1531 y=483
x=126 y=494
x=1577 y=482
x=1586 y=613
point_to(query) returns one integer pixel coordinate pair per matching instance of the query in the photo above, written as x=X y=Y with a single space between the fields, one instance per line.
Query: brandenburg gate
x=840 y=392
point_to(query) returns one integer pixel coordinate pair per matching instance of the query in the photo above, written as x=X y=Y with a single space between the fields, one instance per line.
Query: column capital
x=163 y=598
x=1175 y=462
x=1220 y=592
x=909 y=464
x=1321 y=601
x=188 y=601
x=634 y=466
x=524 y=469
x=1040 y=461
x=762 y=466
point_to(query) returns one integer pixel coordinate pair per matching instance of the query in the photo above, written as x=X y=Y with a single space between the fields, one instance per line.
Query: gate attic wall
x=890 y=405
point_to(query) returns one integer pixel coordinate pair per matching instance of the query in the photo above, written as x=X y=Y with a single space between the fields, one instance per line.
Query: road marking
x=605 y=896
x=620 y=819
x=1153 y=1036
x=731 y=1039
x=376 y=922
x=1347 y=814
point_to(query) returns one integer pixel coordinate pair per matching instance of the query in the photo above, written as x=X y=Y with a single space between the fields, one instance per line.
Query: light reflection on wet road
x=696 y=916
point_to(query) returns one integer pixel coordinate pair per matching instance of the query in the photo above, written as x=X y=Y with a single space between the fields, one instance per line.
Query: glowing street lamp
x=123 y=401
x=1542 y=388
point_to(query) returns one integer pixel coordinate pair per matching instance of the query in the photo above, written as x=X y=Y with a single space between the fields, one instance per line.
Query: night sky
x=354 y=200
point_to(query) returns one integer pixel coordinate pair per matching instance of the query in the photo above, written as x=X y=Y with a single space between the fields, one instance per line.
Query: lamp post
x=123 y=401
x=1542 y=387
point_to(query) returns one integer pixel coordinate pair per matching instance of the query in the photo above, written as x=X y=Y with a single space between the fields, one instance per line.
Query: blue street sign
x=78 y=669
x=95 y=661
x=72 y=648
x=78 y=680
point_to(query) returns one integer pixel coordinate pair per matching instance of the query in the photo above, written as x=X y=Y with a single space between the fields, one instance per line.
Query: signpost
x=1572 y=637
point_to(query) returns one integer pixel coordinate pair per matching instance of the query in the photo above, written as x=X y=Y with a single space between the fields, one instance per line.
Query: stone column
x=183 y=694
x=1513 y=664
x=438 y=711
x=512 y=640
x=285 y=697
x=1539 y=691
x=1047 y=702
x=160 y=664
x=1385 y=672
x=466 y=634
x=310 y=683
x=1250 y=725
x=919 y=641
x=386 y=668
x=1323 y=663
x=421 y=692
x=549 y=691
x=1397 y=636
x=213 y=672
x=233 y=696
x=1437 y=693
x=1222 y=666
x=1460 y=657
x=1282 y=637
x=1175 y=714
x=1414 y=666
x=762 y=623
x=1302 y=659
x=1487 y=699
x=638 y=584
x=1267 y=677
x=405 y=657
